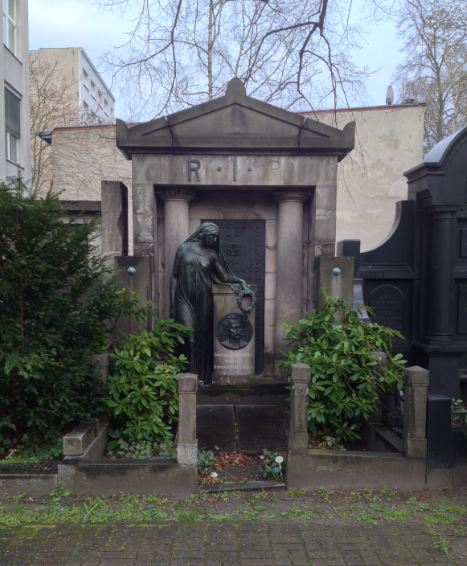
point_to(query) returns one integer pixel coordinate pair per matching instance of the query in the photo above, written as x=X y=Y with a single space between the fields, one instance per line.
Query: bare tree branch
x=182 y=52
x=435 y=67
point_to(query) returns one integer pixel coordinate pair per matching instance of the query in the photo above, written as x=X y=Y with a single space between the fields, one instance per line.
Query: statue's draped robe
x=193 y=304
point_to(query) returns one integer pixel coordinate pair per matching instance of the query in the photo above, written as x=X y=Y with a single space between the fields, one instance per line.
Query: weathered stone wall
x=82 y=158
x=389 y=141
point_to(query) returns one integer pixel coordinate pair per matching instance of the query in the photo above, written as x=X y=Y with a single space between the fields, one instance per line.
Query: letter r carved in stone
x=194 y=165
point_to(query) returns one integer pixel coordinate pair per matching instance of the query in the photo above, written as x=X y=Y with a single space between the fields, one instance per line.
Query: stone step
x=242 y=428
x=262 y=392
x=253 y=485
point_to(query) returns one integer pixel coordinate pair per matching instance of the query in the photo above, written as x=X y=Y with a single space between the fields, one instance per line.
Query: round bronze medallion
x=234 y=331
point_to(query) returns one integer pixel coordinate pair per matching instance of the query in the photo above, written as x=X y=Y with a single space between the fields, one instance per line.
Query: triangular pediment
x=235 y=123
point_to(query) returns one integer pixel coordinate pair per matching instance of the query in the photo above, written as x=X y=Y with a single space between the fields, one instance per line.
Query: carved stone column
x=298 y=429
x=443 y=365
x=289 y=279
x=187 y=444
x=144 y=219
x=176 y=230
x=440 y=277
x=415 y=394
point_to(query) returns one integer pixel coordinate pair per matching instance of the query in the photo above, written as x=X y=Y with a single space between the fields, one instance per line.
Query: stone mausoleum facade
x=266 y=176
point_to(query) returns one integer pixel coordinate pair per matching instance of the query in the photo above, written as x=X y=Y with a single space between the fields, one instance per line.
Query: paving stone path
x=247 y=543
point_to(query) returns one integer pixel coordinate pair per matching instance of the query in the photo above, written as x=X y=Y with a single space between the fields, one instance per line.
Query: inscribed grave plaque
x=388 y=303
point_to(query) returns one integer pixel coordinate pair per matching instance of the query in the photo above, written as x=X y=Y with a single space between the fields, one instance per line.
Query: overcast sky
x=81 y=23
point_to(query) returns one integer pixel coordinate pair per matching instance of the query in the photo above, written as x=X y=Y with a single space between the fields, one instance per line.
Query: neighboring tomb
x=416 y=281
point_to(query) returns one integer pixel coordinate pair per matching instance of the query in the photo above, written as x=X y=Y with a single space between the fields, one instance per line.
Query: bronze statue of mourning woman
x=198 y=264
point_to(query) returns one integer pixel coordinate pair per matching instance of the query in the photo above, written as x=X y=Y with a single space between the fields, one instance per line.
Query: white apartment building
x=14 y=93
x=94 y=102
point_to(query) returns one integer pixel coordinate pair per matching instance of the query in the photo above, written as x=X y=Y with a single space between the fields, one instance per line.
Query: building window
x=9 y=24
x=12 y=125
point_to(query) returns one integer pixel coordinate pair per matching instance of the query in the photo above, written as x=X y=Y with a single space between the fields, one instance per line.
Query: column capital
x=294 y=196
x=173 y=193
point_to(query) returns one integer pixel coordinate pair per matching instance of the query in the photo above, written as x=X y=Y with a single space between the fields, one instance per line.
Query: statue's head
x=207 y=232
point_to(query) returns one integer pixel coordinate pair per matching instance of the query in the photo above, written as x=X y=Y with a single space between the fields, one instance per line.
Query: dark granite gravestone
x=438 y=431
x=416 y=281
x=388 y=302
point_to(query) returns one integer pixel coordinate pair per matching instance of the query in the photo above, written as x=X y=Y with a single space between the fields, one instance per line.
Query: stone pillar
x=187 y=443
x=289 y=278
x=176 y=230
x=325 y=203
x=144 y=219
x=114 y=218
x=298 y=429
x=443 y=365
x=441 y=275
x=334 y=276
x=415 y=396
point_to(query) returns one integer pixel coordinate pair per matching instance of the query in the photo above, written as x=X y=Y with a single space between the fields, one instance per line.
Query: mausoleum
x=265 y=176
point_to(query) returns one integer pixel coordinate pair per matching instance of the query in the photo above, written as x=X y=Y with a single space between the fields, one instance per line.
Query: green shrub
x=346 y=377
x=142 y=399
x=206 y=460
x=53 y=304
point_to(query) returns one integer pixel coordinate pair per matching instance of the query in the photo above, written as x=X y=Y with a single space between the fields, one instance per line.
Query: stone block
x=216 y=427
x=76 y=442
x=187 y=454
x=334 y=276
x=87 y=441
x=262 y=427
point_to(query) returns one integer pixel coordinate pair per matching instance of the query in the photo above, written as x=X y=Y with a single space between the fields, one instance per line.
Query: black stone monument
x=416 y=281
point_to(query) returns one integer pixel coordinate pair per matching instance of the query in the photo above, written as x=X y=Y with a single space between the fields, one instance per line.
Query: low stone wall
x=312 y=469
x=354 y=470
x=25 y=482
x=84 y=470
x=107 y=477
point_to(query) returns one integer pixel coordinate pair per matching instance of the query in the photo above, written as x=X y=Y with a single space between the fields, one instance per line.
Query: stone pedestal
x=233 y=339
x=298 y=429
x=187 y=444
x=415 y=394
